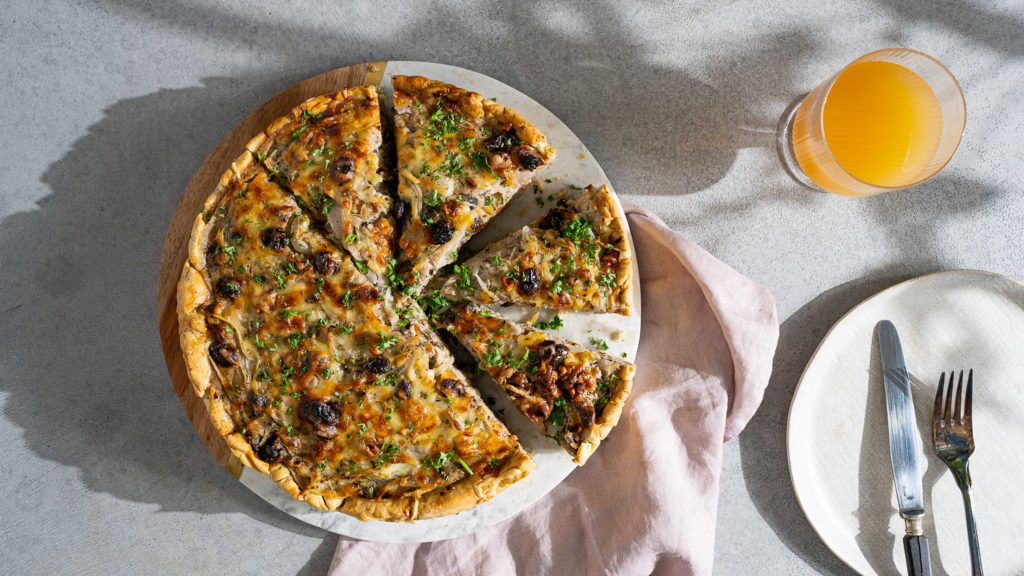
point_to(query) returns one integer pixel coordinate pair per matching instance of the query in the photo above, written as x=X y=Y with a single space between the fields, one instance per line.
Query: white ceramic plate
x=837 y=435
x=573 y=167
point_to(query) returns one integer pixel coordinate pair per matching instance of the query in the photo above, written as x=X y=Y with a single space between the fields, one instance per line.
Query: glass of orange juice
x=890 y=119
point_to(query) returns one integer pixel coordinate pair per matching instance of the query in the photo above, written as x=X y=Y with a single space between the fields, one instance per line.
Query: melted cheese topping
x=561 y=386
x=569 y=259
x=341 y=382
x=327 y=153
x=458 y=167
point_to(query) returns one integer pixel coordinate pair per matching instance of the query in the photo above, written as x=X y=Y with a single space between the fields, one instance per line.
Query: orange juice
x=876 y=126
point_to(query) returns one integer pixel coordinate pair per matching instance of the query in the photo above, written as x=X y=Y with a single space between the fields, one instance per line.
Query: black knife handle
x=918 y=561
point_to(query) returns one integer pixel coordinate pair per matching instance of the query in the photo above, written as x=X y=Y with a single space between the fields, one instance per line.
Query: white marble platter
x=573 y=168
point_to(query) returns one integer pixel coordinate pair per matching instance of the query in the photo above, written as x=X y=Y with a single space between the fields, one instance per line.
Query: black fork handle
x=916 y=549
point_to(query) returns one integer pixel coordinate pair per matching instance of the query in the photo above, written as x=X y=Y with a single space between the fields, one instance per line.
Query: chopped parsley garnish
x=319 y=288
x=351 y=238
x=462 y=282
x=403 y=317
x=607 y=280
x=442 y=123
x=295 y=339
x=452 y=165
x=445 y=458
x=557 y=416
x=308 y=116
x=388 y=453
x=599 y=344
x=326 y=373
x=496 y=260
x=259 y=279
x=434 y=302
x=361 y=266
x=297 y=133
x=345 y=328
x=578 y=230
x=287 y=313
x=433 y=198
x=325 y=202
x=347 y=299
x=481 y=163
x=492 y=358
x=386 y=341
x=263 y=345
x=464 y=466
x=554 y=324
x=395 y=280
x=261 y=374
x=466 y=143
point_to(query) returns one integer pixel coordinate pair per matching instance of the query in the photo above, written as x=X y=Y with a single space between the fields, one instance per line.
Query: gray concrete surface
x=107 y=108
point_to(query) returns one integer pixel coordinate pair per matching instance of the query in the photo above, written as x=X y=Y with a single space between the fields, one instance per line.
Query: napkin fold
x=646 y=501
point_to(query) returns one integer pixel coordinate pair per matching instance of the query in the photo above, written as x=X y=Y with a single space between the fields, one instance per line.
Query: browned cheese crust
x=574 y=394
x=576 y=257
x=461 y=159
x=339 y=392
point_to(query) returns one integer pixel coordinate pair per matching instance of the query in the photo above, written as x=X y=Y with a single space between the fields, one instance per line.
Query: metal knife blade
x=904 y=441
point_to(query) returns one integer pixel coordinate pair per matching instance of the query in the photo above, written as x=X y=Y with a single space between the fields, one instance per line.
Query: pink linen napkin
x=646 y=501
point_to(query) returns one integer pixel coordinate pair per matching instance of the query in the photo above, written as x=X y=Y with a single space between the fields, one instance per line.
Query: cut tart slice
x=327 y=153
x=461 y=158
x=338 y=391
x=573 y=393
x=574 y=258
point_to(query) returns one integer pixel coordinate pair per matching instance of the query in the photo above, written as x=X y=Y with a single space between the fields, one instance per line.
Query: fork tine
x=967 y=400
x=947 y=412
x=937 y=413
x=955 y=417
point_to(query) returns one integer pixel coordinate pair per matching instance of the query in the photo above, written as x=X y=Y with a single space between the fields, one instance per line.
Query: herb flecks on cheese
x=460 y=160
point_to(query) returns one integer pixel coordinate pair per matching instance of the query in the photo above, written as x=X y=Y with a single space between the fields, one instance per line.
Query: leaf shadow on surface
x=85 y=380
x=84 y=375
x=635 y=115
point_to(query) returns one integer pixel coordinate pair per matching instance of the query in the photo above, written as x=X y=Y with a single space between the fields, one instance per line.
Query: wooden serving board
x=202 y=184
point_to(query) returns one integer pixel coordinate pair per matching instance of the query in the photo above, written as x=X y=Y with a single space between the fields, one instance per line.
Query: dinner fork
x=953 y=441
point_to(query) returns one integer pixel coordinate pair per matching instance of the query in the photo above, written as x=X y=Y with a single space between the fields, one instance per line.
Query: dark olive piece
x=553 y=353
x=275 y=238
x=320 y=412
x=586 y=413
x=452 y=387
x=557 y=218
x=272 y=449
x=341 y=168
x=442 y=231
x=404 y=390
x=504 y=141
x=224 y=354
x=527 y=159
x=529 y=281
x=229 y=287
x=324 y=263
x=399 y=209
x=377 y=365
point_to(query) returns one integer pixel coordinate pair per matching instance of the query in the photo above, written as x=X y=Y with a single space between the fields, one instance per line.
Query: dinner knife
x=904 y=449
